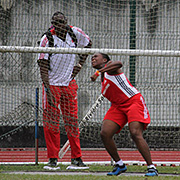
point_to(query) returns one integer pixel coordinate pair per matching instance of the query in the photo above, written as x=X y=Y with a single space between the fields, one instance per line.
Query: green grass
x=4 y=169
x=92 y=168
x=79 y=177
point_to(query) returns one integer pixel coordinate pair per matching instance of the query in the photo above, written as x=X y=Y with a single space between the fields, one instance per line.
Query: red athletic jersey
x=117 y=88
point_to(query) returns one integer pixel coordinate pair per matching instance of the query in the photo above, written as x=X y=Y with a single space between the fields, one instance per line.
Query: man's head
x=99 y=60
x=59 y=21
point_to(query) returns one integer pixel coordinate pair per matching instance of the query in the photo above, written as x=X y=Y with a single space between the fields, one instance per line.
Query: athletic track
x=27 y=155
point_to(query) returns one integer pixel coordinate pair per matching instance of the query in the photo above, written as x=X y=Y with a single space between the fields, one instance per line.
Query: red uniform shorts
x=132 y=110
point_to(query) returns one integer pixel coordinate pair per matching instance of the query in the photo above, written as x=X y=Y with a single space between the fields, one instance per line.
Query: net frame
x=113 y=52
x=90 y=51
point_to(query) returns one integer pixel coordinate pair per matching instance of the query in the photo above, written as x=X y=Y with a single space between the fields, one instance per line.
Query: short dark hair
x=105 y=56
x=59 y=13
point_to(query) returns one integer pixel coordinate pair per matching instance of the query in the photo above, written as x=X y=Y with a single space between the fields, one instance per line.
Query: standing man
x=60 y=88
x=127 y=106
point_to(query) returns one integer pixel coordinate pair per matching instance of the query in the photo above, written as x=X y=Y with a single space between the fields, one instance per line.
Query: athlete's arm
x=83 y=41
x=44 y=63
x=82 y=59
x=44 y=66
x=112 y=67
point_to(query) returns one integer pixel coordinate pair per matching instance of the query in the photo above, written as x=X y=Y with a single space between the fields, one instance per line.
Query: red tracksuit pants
x=66 y=97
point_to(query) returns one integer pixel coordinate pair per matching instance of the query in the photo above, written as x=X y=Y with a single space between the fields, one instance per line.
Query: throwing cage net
x=143 y=35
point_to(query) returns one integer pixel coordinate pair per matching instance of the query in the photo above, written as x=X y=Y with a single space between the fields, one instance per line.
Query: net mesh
x=143 y=35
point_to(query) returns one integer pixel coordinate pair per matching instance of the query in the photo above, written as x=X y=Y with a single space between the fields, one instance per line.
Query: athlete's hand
x=95 y=76
x=50 y=98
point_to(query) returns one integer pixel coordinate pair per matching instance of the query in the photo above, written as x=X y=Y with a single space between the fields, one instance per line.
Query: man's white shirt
x=61 y=65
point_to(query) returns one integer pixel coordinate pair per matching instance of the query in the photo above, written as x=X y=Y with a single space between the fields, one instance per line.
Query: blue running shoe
x=117 y=170
x=152 y=172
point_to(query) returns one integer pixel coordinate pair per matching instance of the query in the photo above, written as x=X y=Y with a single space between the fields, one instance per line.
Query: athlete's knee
x=109 y=128
x=106 y=134
x=136 y=130
x=136 y=134
x=103 y=134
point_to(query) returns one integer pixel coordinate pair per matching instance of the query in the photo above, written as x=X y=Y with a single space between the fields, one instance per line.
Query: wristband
x=97 y=73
